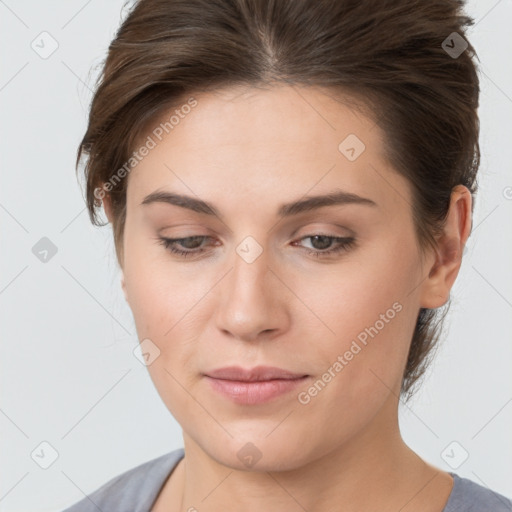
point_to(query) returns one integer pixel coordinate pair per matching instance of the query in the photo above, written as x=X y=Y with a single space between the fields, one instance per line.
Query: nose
x=252 y=303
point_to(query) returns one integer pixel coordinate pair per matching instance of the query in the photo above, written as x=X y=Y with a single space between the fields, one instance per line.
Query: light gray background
x=68 y=375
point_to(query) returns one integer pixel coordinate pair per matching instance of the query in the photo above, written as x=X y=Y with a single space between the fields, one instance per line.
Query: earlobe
x=448 y=253
x=123 y=286
x=107 y=206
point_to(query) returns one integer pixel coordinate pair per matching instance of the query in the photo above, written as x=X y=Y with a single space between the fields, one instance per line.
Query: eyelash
x=345 y=243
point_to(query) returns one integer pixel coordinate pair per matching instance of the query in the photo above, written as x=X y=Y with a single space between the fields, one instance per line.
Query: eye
x=192 y=245
x=323 y=244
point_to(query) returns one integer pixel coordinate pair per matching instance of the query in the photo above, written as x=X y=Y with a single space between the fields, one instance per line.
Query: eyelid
x=340 y=246
x=308 y=231
x=334 y=230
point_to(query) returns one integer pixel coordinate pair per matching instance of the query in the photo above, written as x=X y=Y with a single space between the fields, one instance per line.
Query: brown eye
x=321 y=244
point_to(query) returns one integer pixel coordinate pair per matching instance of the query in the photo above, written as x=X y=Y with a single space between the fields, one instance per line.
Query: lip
x=256 y=374
x=256 y=386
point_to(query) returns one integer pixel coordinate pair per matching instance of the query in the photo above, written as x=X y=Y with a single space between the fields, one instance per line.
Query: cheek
x=166 y=307
x=169 y=306
x=368 y=311
x=158 y=293
x=362 y=362
x=167 y=310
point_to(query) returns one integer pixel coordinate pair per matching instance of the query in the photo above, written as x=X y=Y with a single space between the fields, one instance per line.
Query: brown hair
x=400 y=57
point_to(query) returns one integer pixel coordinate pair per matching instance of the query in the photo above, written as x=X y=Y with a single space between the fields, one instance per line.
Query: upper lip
x=258 y=373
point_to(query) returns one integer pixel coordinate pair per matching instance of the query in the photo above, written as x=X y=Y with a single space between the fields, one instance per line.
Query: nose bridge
x=249 y=278
x=249 y=304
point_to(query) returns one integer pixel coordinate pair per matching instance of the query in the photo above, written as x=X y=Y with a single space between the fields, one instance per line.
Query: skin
x=247 y=151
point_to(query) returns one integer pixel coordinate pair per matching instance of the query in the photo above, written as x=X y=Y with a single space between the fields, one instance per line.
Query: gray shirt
x=137 y=489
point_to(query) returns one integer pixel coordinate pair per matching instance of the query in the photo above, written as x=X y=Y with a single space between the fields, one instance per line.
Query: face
x=326 y=291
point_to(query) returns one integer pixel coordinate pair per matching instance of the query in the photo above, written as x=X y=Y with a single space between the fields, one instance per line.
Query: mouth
x=256 y=386
x=256 y=374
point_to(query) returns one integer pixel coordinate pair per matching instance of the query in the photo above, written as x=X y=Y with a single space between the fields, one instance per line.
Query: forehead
x=249 y=116
x=262 y=142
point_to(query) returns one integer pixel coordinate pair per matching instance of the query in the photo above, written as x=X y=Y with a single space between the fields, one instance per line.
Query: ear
x=448 y=252
x=107 y=206
x=123 y=286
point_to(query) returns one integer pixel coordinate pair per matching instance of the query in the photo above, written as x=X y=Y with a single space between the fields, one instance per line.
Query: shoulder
x=468 y=496
x=134 y=490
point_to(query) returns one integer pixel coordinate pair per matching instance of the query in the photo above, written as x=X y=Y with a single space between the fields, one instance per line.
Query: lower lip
x=252 y=393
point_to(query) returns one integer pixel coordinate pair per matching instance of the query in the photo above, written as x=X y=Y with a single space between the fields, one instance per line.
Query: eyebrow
x=335 y=198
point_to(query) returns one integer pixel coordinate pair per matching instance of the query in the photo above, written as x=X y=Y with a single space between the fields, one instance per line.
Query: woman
x=290 y=187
